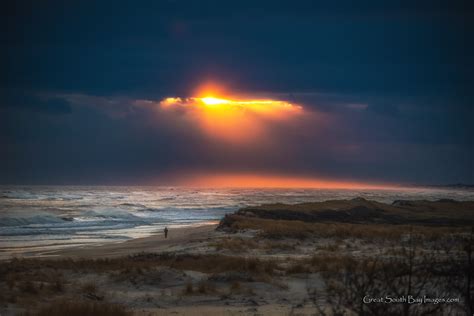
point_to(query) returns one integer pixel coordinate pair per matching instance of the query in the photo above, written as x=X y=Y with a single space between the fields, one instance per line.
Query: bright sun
x=213 y=101
x=232 y=119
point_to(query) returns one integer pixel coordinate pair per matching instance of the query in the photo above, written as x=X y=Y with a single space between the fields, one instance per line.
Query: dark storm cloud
x=392 y=81
x=28 y=102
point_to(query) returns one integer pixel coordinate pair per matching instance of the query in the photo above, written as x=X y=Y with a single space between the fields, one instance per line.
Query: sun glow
x=251 y=180
x=230 y=118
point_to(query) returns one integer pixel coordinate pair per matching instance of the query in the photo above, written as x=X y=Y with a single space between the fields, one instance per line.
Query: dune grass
x=236 y=244
x=17 y=269
x=280 y=229
x=79 y=308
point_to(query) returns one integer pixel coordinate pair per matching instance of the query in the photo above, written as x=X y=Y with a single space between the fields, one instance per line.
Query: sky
x=370 y=92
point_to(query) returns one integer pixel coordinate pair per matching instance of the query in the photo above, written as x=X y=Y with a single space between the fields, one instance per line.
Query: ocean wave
x=133 y=205
x=88 y=221
x=31 y=220
x=51 y=225
x=170 y=198
x=52 y=196
x=71 y=230
x=110 y=214
x=151 y=209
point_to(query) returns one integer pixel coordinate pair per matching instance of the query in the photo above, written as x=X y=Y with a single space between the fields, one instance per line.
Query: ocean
x=45 y=218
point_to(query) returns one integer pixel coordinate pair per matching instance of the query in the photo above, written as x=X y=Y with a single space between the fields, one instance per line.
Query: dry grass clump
x=220 y=263
x=203 y=287
x=130 y=273
x=28 y=287
x=325 y=263
x=206 y=287
x=242 y=245
x=331 y=247
x=236 y=244
x=57 y=285
x=80 y=308
x=237 y=288
x=89 y=287
x=275 y=229
x=189 y=289
x=298 y=268
x=330 y=263
x=279 y=246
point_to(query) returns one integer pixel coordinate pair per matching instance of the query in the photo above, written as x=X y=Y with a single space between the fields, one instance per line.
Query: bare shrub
x=206 y=287
x=235 y=286
x=188 y=290
x=279 y=246
x=236 y=244
x=298 y=267
x=57 y=285
x=408 y=271
x=331 y=247
x=89 y=287
x=28 y=287
x=458 y=268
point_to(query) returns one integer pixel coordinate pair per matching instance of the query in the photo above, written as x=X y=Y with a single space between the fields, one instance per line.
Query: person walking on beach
x=166 y=232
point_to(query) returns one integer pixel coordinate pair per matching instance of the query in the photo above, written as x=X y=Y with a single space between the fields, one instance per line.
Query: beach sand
x=180 y=238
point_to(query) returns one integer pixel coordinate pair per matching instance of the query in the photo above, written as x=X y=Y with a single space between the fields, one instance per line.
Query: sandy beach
x=275 y=259
x=178 y=239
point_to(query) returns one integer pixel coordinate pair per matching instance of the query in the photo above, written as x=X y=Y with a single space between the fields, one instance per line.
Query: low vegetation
x=16 y=270
x=281 y=229
x=410 y=270
x=80 y=308
x=361 y=211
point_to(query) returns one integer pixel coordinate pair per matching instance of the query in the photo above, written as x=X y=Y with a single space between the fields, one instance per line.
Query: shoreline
x=180 y=236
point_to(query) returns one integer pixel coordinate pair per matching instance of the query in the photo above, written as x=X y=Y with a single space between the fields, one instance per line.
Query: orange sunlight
x=248 y=180
x=232 y=119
